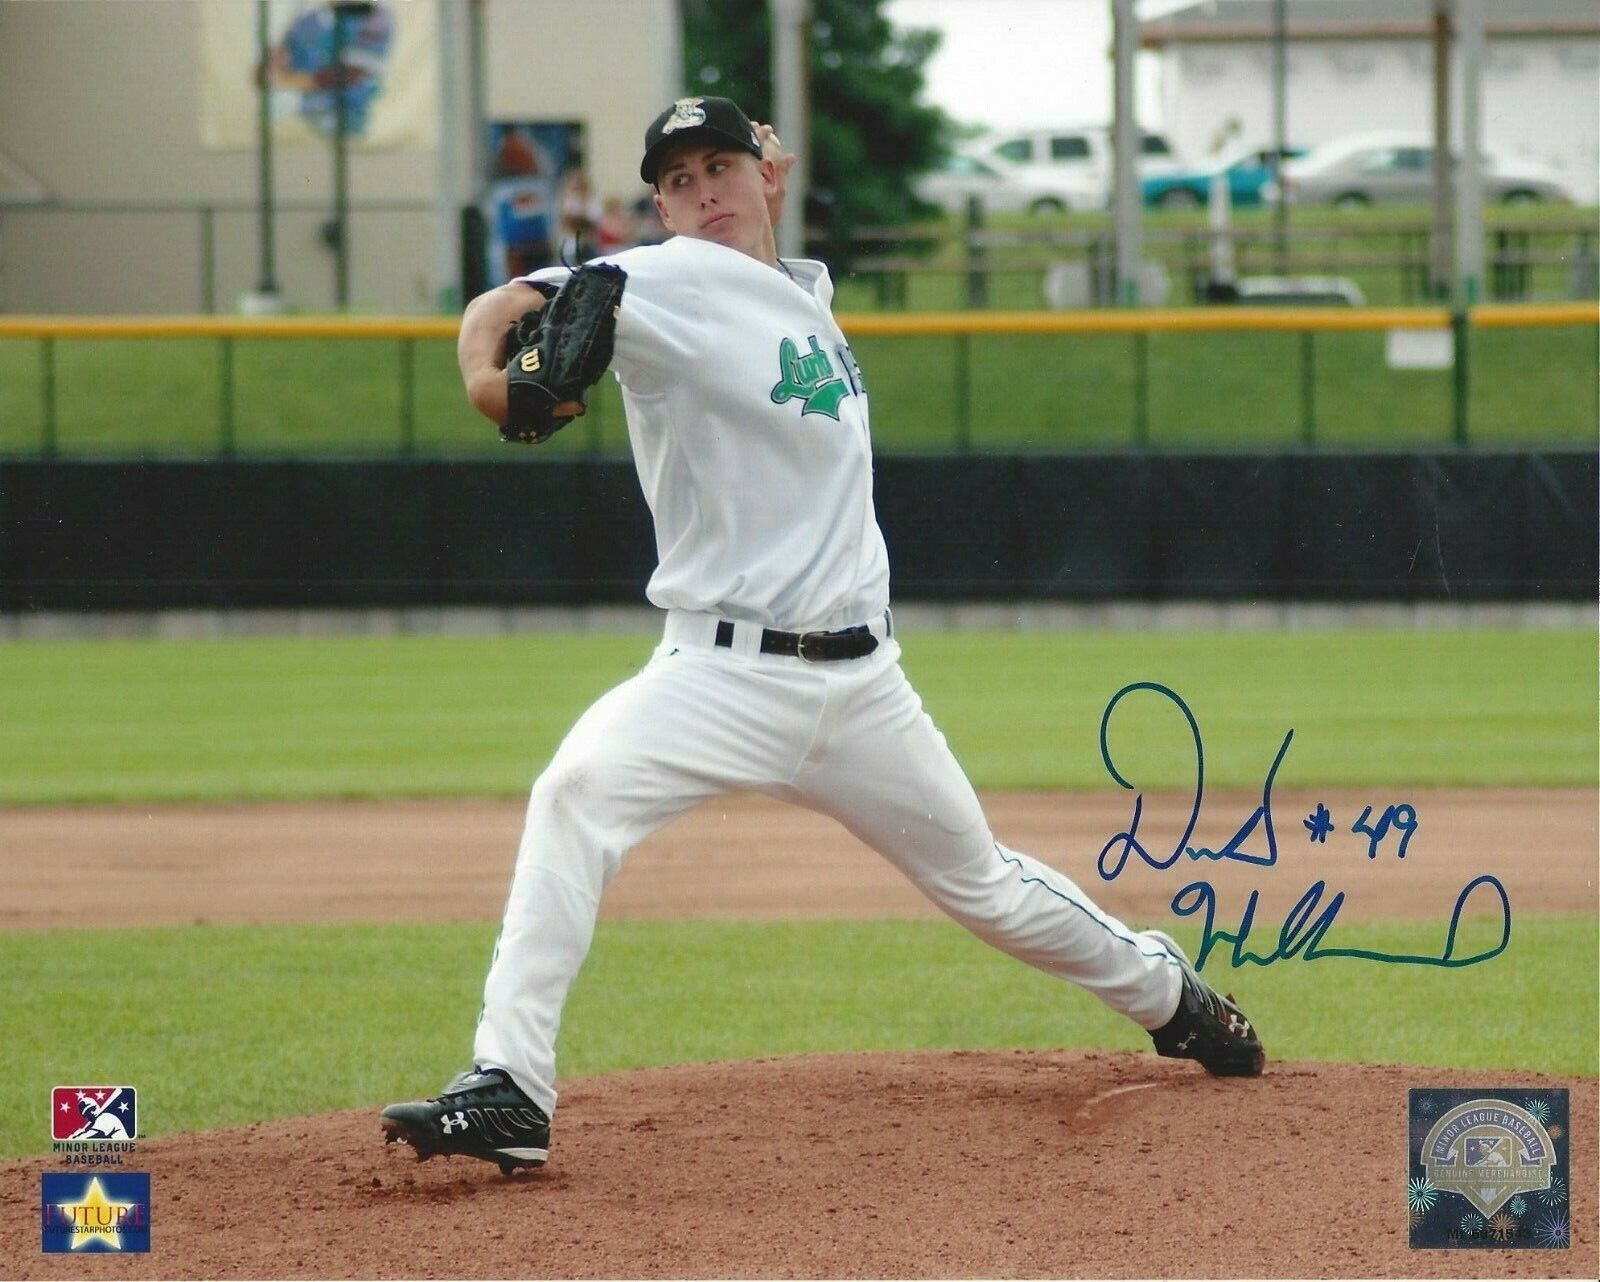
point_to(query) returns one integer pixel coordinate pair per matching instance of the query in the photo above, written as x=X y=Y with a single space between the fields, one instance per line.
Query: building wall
x=100 y=100
x=1541 y=95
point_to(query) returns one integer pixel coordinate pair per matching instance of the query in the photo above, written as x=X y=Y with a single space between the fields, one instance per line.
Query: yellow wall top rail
x=862 y=324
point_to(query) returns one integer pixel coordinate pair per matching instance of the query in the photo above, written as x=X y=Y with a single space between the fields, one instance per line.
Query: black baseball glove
x=557 y=353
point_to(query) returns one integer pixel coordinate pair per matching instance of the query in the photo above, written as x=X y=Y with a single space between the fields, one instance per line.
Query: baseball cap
x=711 y=119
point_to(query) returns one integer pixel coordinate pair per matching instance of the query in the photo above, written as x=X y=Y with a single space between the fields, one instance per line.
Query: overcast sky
x=1023 y=62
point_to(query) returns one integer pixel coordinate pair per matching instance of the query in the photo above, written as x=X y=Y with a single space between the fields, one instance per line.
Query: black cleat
x=1207 y=1026
x=482 y=1114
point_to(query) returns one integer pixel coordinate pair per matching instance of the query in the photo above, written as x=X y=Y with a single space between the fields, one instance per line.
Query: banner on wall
x=390 y=80
x=534 y=167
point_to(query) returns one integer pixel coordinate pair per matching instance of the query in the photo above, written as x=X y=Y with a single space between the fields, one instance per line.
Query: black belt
x=813 y=647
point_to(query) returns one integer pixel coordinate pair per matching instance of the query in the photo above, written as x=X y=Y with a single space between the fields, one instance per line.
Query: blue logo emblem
x=83 y=1213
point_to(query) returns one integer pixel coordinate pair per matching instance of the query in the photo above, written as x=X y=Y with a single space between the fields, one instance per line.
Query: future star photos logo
x=94 y=1113
x=88 y=1213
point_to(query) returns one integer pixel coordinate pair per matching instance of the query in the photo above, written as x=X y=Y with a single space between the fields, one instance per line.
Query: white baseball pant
x=847 y=738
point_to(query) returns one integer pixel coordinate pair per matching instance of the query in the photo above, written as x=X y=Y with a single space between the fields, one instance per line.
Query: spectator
x=647 y=228
x=614 y=232
x=580 y=218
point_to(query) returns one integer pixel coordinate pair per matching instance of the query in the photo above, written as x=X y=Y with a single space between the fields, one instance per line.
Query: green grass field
x=229 y=1025
x=1205 y=392
x=217 y=720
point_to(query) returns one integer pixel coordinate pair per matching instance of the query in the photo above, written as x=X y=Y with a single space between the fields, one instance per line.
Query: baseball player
x=778 y=669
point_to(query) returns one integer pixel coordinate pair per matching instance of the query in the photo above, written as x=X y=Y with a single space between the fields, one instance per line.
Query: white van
x=1082 y=151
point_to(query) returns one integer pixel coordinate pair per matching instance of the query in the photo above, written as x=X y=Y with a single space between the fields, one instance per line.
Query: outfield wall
x=1440 y=526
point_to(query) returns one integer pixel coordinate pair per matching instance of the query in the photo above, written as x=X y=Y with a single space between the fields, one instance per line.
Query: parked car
x=1398 y=169
x=1003 y=191
x=1085 y=153
x=1247 y=173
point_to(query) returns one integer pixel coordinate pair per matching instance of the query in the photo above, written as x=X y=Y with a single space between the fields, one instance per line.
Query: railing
x=1556 y=257
x=207 y=253
x=963 y=327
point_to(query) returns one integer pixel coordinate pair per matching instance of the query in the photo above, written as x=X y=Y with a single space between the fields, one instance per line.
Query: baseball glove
x=557 y=353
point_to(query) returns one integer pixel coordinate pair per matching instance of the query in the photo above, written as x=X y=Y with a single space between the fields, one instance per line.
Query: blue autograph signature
x=1308 y=921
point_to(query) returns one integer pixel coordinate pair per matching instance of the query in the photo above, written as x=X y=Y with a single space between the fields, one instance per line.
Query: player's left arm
x=481 y=345
x=561 y=352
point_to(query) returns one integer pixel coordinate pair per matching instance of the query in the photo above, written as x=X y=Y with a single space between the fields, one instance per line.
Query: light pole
x=791 y=112
x=1127 y=211
x=344 y=11
x=1280 y=130
x=268 y=284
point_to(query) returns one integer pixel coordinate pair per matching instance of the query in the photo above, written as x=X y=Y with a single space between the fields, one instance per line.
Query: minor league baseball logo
x=811 y=376
x=1488 y=1151
x=686 y=114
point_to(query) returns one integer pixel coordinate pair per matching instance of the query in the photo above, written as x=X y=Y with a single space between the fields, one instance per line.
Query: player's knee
x=563 y=785
x=579 y=785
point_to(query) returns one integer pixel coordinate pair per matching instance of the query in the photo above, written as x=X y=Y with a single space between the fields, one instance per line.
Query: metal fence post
x=47 y=392
x=208 y=259
x=408 y=397
x=1141 y=388
x=1459 y=389
x=226 y=442
x=977 y=282
x=963 y=392
x=594 y=442
x=1308 y=388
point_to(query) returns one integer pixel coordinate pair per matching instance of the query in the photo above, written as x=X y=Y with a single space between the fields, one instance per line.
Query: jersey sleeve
x=547 y=280
x=659 y=329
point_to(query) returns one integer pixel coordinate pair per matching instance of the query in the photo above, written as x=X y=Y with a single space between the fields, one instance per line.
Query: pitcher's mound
x=965 y=1164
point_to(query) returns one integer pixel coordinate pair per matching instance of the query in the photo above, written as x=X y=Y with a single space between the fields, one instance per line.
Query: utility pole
x=1469 y=177
x=791 y=113
x=344 y=12
x=1280 y=133
x=1441 y=256
x=1127 y=213
x=267 y=284
x=453 y=189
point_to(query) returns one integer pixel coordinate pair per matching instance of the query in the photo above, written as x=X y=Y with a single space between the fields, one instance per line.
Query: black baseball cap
x=708 y=119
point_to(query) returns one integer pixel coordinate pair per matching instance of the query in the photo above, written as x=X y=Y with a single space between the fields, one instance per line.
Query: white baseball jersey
x=748 y=419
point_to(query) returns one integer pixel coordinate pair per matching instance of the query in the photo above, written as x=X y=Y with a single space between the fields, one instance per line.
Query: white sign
x=1420 y=348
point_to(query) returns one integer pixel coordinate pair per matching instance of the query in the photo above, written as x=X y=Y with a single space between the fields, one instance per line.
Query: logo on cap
x=686 y=114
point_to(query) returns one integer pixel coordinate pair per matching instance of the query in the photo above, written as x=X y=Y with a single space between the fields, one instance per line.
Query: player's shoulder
x=672 y=274
x=679 y=254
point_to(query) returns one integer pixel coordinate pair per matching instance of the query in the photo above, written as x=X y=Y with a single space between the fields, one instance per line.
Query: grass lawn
x=373 y=717
x=226 y=1026
x=1205 y=391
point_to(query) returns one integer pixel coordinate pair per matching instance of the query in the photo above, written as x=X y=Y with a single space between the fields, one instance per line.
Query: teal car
x=1246 y=173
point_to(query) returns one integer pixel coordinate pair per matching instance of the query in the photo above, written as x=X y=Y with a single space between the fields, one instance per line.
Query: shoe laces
x=1222 y=1009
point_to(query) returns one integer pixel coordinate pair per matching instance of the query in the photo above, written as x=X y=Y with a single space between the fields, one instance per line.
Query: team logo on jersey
x=811 y=376
x=1488 y=1168
x=686 y=114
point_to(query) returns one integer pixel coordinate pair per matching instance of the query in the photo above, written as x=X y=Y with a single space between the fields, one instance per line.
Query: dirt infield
x=986 y=1164
x=972 y=1164
x=754 y=859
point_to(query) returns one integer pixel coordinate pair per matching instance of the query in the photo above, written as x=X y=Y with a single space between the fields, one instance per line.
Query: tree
x=869 y=134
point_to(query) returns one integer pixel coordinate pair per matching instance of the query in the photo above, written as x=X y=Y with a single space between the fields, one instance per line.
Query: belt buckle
x=800 y=646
